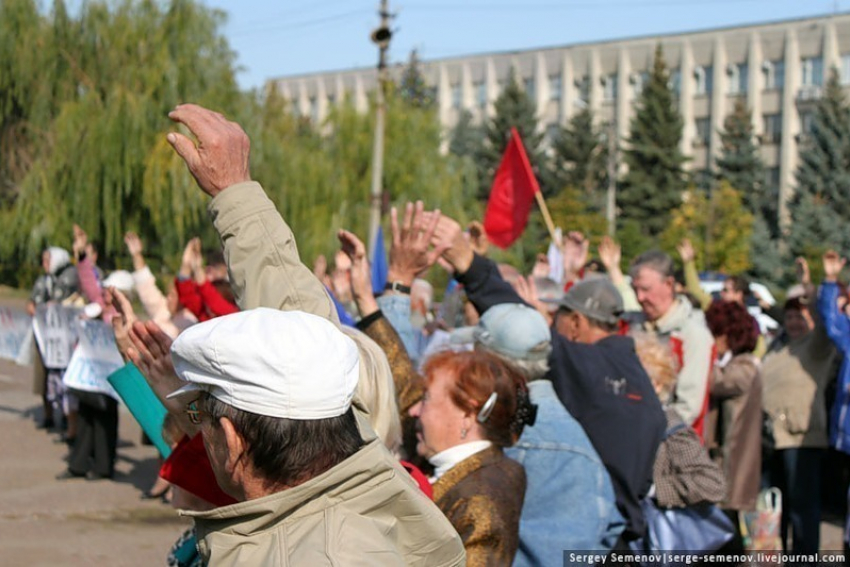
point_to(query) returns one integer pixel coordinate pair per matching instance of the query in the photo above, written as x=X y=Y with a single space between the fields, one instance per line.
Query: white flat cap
x=286 y=364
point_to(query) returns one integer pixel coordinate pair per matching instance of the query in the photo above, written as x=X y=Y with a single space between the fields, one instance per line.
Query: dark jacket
x=604 y=386
x=57 y=286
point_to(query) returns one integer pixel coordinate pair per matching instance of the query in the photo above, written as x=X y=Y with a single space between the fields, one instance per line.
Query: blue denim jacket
x=396 y=309
x=569 y=502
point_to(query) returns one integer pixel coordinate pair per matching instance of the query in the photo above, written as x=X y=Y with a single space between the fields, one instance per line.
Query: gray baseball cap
x=596 y=299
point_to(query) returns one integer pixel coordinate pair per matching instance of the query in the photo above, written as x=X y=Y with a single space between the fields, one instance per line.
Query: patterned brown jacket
x=482 y=495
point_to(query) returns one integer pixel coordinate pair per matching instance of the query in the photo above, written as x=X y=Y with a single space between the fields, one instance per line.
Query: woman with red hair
x=733 y=432
x=472 y=408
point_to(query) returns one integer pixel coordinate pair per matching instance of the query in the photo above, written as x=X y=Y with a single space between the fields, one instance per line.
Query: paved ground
x=74 y=522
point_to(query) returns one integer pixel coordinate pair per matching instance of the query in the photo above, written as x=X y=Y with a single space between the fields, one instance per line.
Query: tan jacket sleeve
x=630 y=302
x=735 y=378
x=261 y=254
x=692 y=383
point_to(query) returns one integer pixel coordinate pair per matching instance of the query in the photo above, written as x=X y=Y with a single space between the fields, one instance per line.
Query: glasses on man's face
x=193 y=412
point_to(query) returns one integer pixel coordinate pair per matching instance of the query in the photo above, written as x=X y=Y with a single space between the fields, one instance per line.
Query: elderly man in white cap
x=271 y=393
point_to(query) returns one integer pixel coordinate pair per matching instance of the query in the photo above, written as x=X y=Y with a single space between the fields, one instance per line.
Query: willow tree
x=92 y=122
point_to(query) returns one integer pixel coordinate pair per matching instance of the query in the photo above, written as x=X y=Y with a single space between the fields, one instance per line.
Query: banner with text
x=15 y=327
x=55 y=333
x=95 y=358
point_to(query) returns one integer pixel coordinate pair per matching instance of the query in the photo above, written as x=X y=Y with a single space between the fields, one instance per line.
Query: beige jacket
x=365 y=511
x=266 y=271
x=795 y=375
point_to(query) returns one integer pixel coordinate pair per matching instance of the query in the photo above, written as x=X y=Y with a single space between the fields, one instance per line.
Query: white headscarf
x=59 y=257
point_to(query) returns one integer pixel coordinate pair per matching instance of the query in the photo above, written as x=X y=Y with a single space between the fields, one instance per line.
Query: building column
x=718 y=92
x=790 y=127
x=568 y=91
x=321 y=101
x=831 y=53
x=361 y=103
x=467 y=96
x=492 y=87
x=624 y=88
x=541 y=90
x=595 y=94
x=303 y=99
x=686 y=101
x=444 y=94
x=755 y=83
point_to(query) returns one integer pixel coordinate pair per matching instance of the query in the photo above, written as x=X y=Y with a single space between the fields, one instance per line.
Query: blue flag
x=380 y=267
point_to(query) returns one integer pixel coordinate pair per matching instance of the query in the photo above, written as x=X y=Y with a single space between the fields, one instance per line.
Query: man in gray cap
x=595 y=371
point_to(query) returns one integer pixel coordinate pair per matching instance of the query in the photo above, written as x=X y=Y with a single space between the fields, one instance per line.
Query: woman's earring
x=463 y=432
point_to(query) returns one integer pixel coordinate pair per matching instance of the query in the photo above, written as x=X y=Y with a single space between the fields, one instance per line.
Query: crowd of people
x=316 y=421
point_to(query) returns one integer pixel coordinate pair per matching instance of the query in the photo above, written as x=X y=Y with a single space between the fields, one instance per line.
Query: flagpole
x=546 y=216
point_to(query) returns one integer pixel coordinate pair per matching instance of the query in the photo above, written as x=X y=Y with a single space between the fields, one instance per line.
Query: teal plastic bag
x=142 y=403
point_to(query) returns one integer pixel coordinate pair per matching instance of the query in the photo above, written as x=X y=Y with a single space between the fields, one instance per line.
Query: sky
x=292 y=37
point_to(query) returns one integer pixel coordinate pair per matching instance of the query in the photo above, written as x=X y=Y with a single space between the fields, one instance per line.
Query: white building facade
x=779 y=68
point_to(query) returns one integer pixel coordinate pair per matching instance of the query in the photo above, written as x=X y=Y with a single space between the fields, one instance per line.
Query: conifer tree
x=739 y=163
x=655 y=180
x=513 y=108
x=465 y=137
x=580 y=158
x=412 y=87
x=821 y=204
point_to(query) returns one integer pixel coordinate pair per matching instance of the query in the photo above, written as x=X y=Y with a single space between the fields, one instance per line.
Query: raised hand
x=135 y=248
x=190 y=260
x=411 y=251
x=832 y=265
x=81 y=240
x=478 y=238
x=361 y=276
x=220 y=157
x=123 y=321
x=686 y=251
x=449 y=237
x=803 y=274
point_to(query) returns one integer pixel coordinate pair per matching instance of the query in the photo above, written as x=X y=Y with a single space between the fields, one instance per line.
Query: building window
x=772 y=129
x=807 y=118
x=583 y=86
x=456 y=96
x=738 y=77
x=774 y=74
x=675 y=83
x=555 y=87
x=704 y=79
x=528 y=85
x=314 y=109
x=553 y=130
x=481 y=94
x=771 y=180
x=639 y=80
x=703 y=132
x=844 y=74
x=331 y=99
x=609 y=87
x=812 y=72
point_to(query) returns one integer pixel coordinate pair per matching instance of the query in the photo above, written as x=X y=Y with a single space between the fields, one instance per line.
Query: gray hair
x=655 y=260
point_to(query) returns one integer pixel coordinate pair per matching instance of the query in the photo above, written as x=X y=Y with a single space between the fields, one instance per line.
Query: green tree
x=580 y=158
x=655 y=180
x=413 y=87
x=513 y=109
x=821 y=204
x=739 y=162
x=465 y=137
x=718 y=227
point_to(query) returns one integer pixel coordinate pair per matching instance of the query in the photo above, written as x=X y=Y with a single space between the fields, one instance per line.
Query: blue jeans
x=797 y=472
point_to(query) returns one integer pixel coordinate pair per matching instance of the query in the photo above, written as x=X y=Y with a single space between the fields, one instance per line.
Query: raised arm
x=610 y=255
x=259 y=247
x=835 y=322
x=482 y=282
x=688 y=255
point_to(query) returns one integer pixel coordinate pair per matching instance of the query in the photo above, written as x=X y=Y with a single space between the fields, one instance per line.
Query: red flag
x=511 y=196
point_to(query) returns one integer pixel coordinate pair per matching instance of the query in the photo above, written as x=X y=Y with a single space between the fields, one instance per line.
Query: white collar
x=444 y=461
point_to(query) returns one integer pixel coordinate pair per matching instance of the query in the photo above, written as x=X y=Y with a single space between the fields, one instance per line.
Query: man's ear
x=235 y=446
